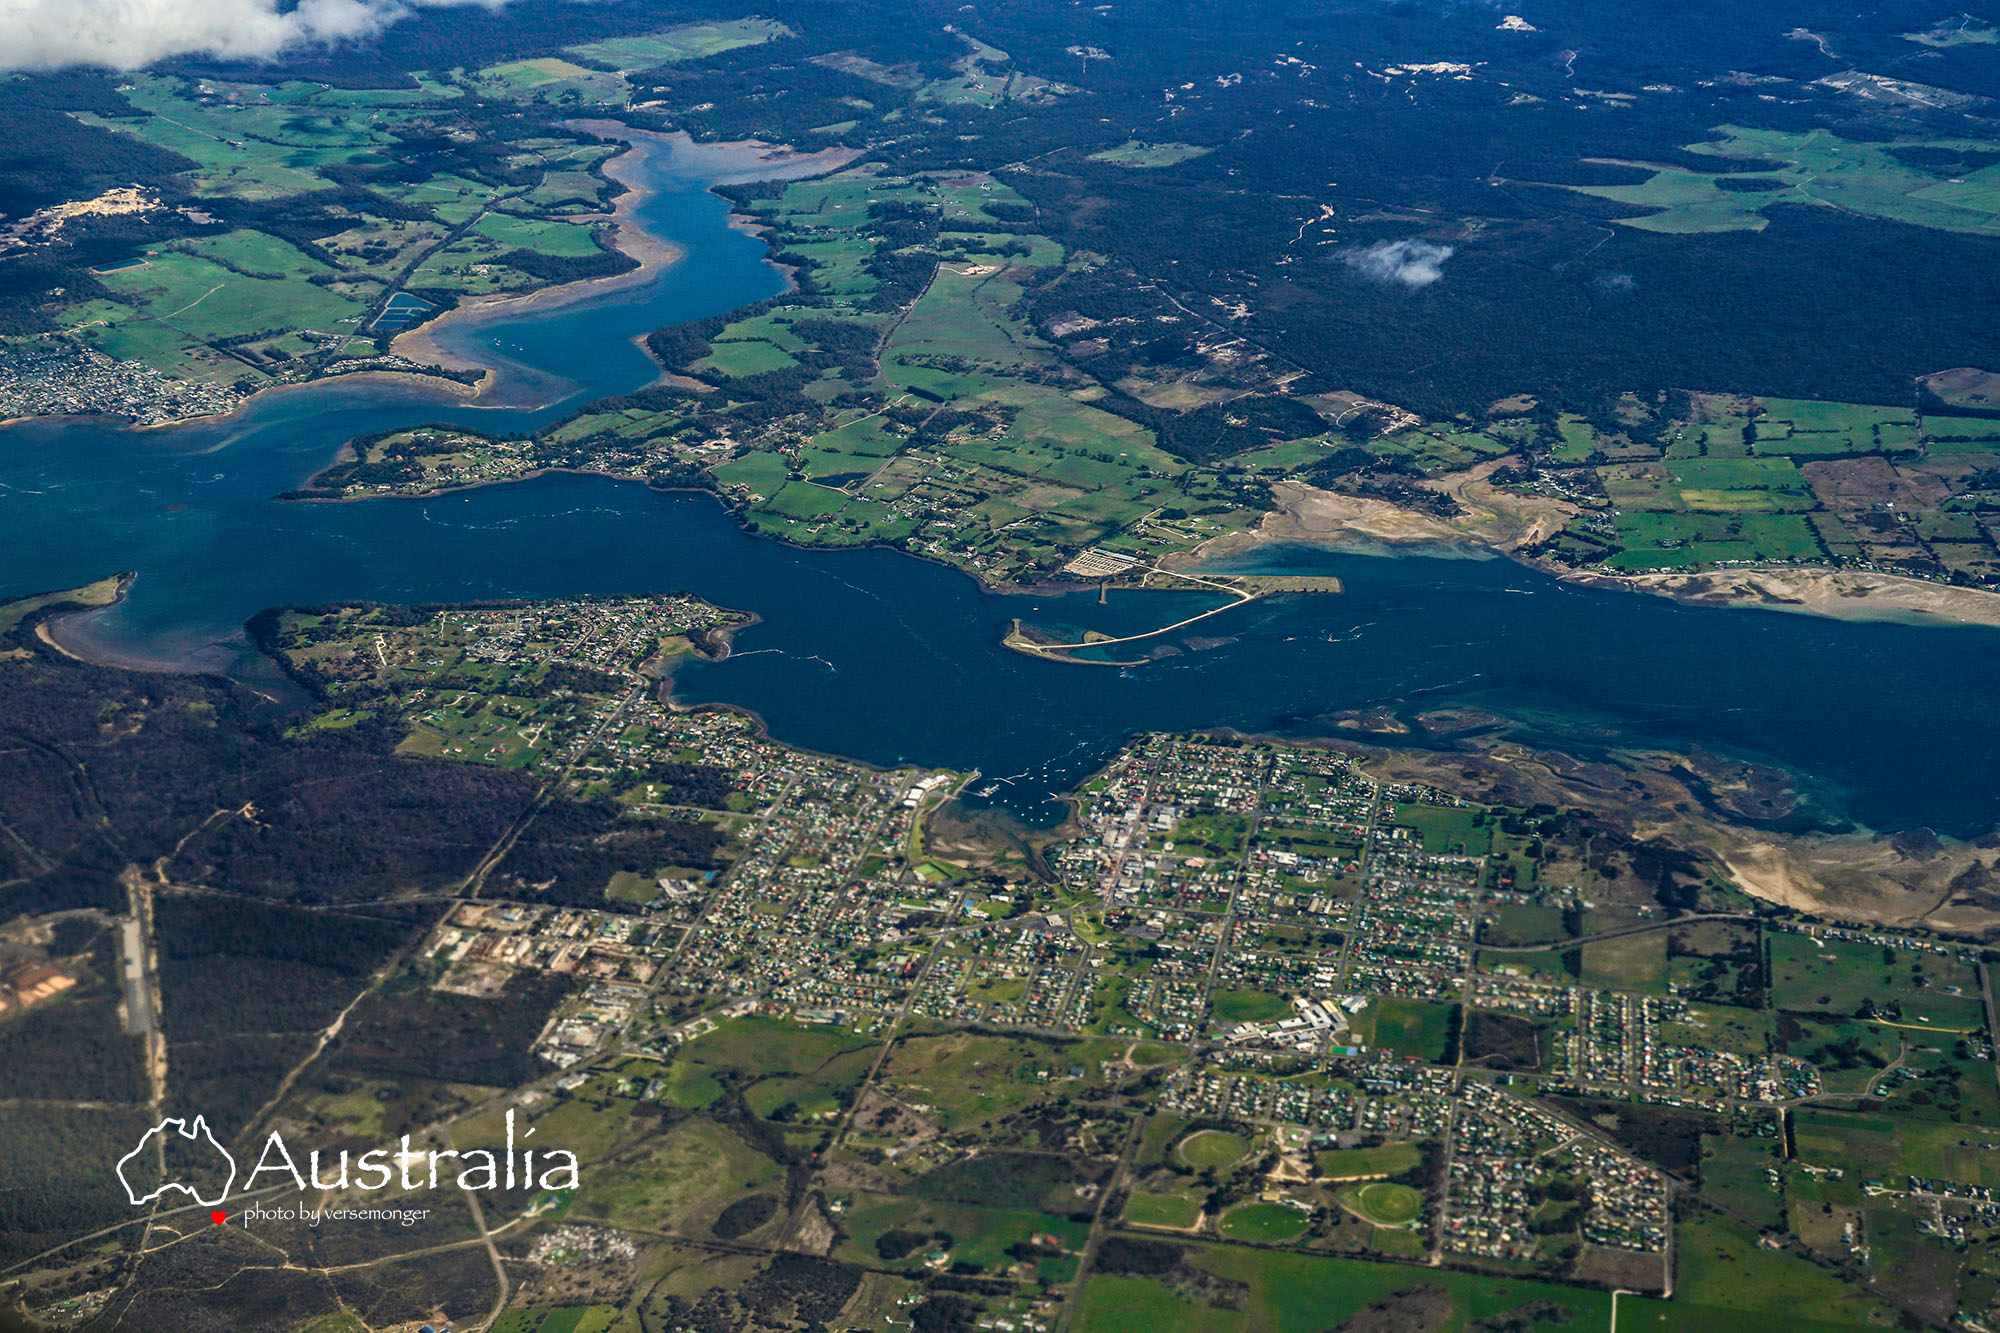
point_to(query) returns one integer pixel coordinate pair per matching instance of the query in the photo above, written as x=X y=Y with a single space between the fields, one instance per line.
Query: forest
x=307 y=846
x=1299 y=155
x=1217 y=250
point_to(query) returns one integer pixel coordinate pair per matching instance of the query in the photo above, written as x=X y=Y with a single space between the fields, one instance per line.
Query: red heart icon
x=217 y=1216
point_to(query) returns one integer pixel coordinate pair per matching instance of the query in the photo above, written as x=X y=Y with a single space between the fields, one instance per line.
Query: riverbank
x=710 y=645
x=444 y=384
x=1843 y=594
x=428 y=344
x=724 y=164
x=729 y=161
x=308 y=494
x=1703 y=804
x=652 y=253
x=79 y=602
x=1492 y=521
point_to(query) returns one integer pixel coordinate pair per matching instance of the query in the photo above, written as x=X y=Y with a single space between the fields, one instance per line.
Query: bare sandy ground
x=1500 y=521
x=1862 y=878
x=1490 y=517
x=1912 y=880
x=1845 y=594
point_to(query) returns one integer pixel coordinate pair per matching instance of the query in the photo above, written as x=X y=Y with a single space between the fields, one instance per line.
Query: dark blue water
x=190 y=508
x=886 y=658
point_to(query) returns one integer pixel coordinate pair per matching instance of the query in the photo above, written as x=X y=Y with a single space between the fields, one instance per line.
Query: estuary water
x=887 y=658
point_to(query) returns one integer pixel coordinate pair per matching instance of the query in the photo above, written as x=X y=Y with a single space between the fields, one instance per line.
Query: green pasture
x=1391 y=1159
x=1448 y=829
x=1816 y=168
x=1135 y=153
x=689 y=41
x=207 y=302
x=1177 y=1211
x=1417 y=1028
x=749 y=357
x=976 y=1237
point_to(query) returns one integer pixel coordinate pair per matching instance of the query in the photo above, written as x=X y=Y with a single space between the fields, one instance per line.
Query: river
x=887 y=658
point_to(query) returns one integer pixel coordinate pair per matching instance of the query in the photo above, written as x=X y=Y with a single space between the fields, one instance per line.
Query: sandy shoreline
x=1499 y=523
x=1857 y=876
x=755 y=160
x=1841 y=594
x=49 y=631
x=653 y=253
x=452 y=387
x=627 y=237
x=304 y=497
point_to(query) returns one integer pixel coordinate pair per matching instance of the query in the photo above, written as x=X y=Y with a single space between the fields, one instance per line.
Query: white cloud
x=128 y=34
x=1413 y=263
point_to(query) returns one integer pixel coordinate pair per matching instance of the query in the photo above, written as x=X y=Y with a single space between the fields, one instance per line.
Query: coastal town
x=57 y=380
x=1273 y=996
x=1182 y=823
x=1410 y=1008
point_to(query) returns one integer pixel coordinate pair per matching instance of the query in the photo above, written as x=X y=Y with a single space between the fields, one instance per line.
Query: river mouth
x=893 y=659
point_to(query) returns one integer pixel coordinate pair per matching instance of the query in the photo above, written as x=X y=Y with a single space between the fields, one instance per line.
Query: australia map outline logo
x=198 y=1132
